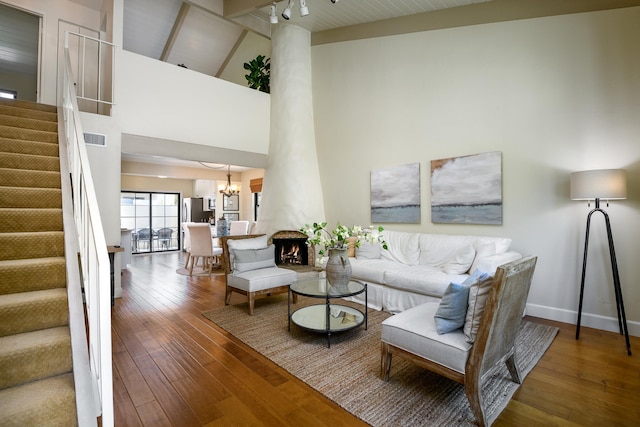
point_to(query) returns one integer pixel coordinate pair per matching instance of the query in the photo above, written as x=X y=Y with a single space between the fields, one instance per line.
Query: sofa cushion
x=401 y=247
x=478 y=294
x=436 y=250
x=264 y=278
x=253 y=259
x=414 y=330
x=368 y=250
x=483 y=250
x=421 y=279
x=452 y=309
x=372 y=270
x=461 y=261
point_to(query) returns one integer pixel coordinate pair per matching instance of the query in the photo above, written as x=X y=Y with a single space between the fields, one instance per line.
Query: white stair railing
x=94 y=260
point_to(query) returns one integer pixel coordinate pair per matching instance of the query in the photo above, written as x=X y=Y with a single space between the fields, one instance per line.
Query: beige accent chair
x=258 y=275
x=412 y=335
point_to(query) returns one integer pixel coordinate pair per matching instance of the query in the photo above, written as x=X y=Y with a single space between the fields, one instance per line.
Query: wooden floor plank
x=173 y=367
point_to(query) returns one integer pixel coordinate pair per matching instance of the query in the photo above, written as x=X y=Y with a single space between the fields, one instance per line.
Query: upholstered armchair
x=250 y=268
x=491 y=318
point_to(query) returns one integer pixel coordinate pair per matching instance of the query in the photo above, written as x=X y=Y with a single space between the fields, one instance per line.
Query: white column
x=291 y=190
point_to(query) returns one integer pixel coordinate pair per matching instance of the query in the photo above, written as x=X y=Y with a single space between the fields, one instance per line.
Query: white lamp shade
x=609 y=184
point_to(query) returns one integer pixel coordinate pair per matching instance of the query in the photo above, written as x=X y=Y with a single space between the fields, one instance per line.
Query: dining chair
x=200 y=247
x=239 y=228
x=457 y=355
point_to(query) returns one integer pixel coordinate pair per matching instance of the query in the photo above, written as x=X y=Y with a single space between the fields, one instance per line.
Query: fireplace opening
x=291 y=251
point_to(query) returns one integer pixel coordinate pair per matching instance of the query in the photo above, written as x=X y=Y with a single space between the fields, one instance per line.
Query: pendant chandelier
x=229 y=190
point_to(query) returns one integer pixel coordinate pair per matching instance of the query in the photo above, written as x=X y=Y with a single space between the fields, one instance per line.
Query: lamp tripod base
x=622 y=319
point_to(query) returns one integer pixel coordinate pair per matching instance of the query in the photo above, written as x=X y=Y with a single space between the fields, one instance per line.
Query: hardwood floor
x=173 y=367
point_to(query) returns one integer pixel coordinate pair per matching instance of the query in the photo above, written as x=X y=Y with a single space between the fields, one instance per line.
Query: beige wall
x=147 y=183
x=554 y=95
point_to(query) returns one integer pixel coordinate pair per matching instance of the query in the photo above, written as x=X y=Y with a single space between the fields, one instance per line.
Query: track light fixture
x=286 y=13
x=304 y=10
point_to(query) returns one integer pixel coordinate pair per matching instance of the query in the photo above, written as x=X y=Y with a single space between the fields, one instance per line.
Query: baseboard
x=589 y=320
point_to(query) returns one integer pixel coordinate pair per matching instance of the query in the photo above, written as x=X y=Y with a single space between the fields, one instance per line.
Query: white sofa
x=417 y=268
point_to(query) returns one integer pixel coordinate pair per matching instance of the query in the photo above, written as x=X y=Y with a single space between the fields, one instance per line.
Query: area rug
x=199 y=271
x=348 y=372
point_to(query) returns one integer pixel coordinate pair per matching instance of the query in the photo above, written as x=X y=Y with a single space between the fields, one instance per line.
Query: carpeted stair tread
x=34 y=355
x=19 y=103
x=29 y=162
x=28 y=134
x=40 y=244
x=30 y=197
x=30 y=311
x=49 y=402
x=28 y=113
x=29 y=178
x=26 y=123
x=33 y=274
x=9 y=145
x=25 y=220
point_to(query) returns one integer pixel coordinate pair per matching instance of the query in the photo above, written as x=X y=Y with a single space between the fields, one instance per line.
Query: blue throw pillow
x=453 y=308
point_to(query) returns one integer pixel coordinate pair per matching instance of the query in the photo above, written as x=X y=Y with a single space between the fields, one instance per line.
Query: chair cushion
x=414 y=330
x=452 y=309
x=252 y=243
x=253 y=259
x=263 y=278
x=478 y=294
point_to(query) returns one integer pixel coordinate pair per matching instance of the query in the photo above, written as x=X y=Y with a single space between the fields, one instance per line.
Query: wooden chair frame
x=495 y=341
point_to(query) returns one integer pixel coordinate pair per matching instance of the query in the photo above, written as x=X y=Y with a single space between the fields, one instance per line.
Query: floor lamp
x=606 y=184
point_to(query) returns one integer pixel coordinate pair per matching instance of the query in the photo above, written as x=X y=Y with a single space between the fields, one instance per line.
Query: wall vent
x=95 y=139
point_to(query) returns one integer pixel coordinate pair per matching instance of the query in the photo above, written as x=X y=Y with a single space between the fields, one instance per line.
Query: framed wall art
x=467 y=189
x=231 y=216
x=231 y=203
x=395 y=194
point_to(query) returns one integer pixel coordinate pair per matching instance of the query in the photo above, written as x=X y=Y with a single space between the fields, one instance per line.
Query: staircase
x=36 y=378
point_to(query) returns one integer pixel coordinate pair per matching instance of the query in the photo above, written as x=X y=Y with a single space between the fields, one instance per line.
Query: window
x=154 y=219
x=8 y=94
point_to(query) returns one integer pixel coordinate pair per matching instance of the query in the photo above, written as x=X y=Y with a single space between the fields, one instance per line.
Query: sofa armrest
x=491 y=263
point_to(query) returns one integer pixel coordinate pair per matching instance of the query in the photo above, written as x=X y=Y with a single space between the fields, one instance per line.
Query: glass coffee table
x=330 y=316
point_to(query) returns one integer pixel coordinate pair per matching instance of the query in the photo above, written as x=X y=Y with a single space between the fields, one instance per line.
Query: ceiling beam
x=175 y=30
x=234 y=8
x=232 y=52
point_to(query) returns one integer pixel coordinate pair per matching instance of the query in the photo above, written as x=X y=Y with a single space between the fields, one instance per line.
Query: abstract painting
x=467 y=190
x=395 y=194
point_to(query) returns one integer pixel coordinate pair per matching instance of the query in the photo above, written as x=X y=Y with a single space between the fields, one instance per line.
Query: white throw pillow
x=252 y=243
x=461 y=261
x=483 y=250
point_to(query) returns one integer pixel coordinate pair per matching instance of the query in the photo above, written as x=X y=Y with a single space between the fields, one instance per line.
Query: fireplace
x=291 y=249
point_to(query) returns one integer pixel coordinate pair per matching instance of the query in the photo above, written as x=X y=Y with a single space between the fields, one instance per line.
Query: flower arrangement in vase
x=335 y=242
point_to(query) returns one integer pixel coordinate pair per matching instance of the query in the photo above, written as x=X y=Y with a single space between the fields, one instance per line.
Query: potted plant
x=259 y=73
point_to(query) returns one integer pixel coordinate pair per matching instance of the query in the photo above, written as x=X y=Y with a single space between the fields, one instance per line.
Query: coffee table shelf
x=329 y=317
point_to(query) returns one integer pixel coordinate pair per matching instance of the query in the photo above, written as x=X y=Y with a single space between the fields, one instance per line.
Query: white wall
x=161 y=100
x=554 y=95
